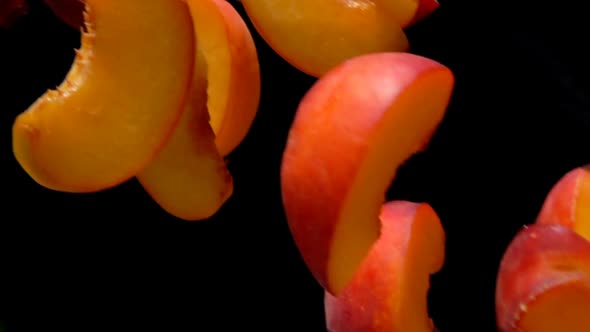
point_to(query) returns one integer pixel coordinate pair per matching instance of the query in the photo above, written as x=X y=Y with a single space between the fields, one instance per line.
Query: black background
x=519 y=119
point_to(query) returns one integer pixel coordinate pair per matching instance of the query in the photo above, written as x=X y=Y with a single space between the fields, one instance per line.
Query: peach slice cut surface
x=351 y=132
x=118 y=104
x=389 y=291
x=315 y=36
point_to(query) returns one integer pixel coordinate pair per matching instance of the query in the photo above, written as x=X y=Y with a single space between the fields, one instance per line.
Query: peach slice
x=69 y=11
x=389 y=291
x=10 y=10
x=189 y=179
x=352 y=130
x=315 y=36
x=425 y=8
x=544 y=281
x=118 y=104
x=233 y=72
x=568 y=202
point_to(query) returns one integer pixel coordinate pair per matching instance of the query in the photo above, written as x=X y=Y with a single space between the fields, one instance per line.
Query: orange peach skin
x=233 y=73
x=352 y=130
x=69 y=11
x=10 y=10
x=568 y=202
x=315 y=36
x=119 y=103
x=544 y=281
x=389 y=291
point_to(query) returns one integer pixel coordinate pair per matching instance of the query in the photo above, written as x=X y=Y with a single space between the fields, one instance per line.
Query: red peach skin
x=568 y=202
x=389 y=291
x=544 y=282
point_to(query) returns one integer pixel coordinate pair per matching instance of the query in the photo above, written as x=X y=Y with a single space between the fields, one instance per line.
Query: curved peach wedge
x=315 y=36
x=389 y=291
x=118 y=104
x=351 y=132
x=544 y=281
x=568 y=202
x=189 y=178
x=233 y=73
x=69 y=11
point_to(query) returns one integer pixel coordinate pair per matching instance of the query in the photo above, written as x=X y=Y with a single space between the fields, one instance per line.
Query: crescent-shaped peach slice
x=118 y=104
x=315 y=36
x=351 y=132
